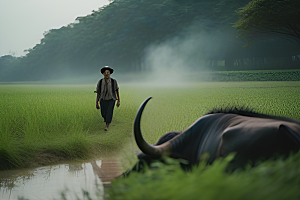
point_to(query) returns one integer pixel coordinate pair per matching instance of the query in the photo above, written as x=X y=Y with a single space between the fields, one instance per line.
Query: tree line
x=118 y=34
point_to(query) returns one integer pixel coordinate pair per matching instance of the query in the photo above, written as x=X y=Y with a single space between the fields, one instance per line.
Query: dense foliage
x=270 y=17
x=257 y=75
x=121 y=33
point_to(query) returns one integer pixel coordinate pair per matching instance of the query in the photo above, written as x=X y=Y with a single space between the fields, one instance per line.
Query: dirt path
x=108 y=170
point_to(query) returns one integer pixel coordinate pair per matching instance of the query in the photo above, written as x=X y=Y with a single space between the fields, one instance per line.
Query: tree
x=8 y=66
x=120 y=33
x=264 y=17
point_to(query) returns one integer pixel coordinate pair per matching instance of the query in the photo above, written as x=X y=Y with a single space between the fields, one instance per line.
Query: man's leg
x=103 y=106
x=110 y=111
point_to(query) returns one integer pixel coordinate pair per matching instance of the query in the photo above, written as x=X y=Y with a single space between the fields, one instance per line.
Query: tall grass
x=271 y=180
x=38 y=123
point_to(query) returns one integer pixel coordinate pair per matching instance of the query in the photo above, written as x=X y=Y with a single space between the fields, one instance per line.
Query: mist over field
x=180 y=59
x=183 y=59
x=186 y=57
x=176 y=61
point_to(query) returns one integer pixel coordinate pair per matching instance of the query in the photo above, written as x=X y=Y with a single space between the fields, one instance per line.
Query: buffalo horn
x=142 y=144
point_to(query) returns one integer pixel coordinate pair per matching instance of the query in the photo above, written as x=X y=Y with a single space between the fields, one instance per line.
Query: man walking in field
x=107 y=93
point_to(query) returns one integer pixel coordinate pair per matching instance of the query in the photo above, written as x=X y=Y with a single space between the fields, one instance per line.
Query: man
x=107 y=93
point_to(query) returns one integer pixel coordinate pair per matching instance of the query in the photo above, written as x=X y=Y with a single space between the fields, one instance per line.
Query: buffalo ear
x=166 y=137
x=293 y=135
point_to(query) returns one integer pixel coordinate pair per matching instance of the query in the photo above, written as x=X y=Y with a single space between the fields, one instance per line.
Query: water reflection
x=72 y=181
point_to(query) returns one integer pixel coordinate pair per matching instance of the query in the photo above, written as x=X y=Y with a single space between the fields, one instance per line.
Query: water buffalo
x=250 y=135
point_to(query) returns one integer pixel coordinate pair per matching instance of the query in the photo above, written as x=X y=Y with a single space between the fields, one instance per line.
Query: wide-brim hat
x=102 y=70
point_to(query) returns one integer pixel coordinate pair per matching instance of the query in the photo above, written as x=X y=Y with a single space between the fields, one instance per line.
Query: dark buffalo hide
x=251 y=136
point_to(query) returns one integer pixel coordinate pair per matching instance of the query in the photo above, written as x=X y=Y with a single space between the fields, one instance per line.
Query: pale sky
x=23 y=22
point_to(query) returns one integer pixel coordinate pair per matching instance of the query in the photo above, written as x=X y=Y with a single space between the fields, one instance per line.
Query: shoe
x=105 y=129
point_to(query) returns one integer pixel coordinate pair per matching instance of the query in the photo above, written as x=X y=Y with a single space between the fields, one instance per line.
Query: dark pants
x=107 y=109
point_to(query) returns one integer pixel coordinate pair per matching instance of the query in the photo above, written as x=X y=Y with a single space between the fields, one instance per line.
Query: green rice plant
x=273 y=179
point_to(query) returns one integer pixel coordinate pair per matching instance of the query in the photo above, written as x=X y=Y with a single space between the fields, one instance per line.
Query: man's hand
x=118 y=103
x=97 y=106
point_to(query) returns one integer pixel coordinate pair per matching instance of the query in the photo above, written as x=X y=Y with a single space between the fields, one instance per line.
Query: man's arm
x=98 y=95
x=118 y=94
x=118 y=98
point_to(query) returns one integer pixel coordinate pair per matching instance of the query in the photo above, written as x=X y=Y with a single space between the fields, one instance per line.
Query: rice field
x=42 y=124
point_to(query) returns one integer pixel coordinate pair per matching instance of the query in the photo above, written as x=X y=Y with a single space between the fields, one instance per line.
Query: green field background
x=42 y=124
